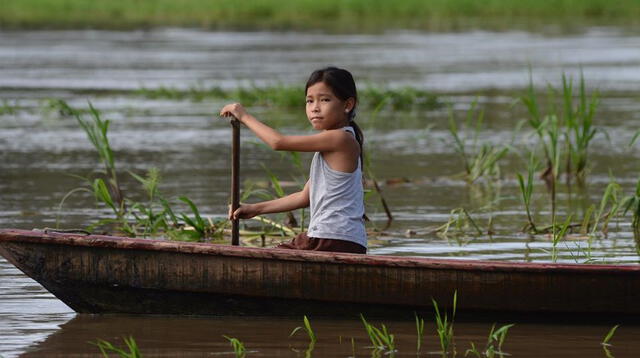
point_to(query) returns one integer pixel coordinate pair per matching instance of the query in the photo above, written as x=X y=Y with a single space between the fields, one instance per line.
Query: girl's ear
x=349 y=104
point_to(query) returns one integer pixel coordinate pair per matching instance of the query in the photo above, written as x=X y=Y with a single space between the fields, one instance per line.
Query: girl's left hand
x=233 y=109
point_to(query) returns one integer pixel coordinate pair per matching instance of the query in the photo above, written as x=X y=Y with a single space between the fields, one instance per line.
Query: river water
x=411 y=154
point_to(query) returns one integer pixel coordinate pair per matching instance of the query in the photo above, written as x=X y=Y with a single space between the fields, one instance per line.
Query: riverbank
x=329 y=15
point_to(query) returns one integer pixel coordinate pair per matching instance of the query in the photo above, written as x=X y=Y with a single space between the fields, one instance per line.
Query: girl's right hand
x=245 y=211
x=233 y=109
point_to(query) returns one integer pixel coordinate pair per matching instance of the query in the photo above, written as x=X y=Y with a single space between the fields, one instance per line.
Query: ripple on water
x=28 y=312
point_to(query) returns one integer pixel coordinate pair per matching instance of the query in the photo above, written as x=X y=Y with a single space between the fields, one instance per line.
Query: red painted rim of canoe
x=101 y=241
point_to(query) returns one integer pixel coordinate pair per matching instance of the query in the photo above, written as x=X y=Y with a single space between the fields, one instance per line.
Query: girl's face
x=325 y=110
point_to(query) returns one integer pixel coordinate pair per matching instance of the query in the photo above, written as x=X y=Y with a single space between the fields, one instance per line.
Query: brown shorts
x=304 y=242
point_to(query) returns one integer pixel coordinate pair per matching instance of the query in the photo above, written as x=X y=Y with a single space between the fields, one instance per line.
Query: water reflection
x=169 y=336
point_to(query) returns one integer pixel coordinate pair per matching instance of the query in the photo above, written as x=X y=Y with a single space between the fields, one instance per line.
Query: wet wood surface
x=100 y=274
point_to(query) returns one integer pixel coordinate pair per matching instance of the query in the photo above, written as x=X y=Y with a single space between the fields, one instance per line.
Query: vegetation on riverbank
x=330 y=15
x=374 y=98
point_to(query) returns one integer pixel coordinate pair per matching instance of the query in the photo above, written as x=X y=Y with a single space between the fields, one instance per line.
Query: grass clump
x=134 y=218
x=380 y=338
x=444 y=328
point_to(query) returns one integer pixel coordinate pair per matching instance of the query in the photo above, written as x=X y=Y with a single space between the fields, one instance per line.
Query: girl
x=334 y=189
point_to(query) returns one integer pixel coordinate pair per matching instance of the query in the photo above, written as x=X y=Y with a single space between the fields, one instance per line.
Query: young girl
x=334 y=189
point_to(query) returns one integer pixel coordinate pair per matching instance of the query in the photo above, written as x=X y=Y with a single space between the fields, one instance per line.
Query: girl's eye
x=309 y=101
x=326 y=100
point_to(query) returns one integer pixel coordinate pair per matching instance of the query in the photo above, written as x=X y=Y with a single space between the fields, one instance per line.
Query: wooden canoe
x=103 y=274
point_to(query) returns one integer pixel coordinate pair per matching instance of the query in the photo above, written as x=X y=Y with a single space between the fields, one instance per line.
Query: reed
x=444 y=328
x=97 y=132
x=237 y=345
x=420 y=332
x=493 y=347
x=307 y=328
x=570 y=120
x=632 y=203
x=461 y=220
x=132 y=217
x=558 y=233
x=609 y=335
x=479 y=159
x=547 y=128
x=610 y=197
x=380 y=338
x=580 y=129
x=106 y=348
x=526 y=191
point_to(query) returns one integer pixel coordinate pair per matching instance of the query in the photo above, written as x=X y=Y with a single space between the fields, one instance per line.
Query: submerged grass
x=331 y=15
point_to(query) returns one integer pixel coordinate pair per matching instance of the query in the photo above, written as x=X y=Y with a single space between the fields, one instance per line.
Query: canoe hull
x=100 y=274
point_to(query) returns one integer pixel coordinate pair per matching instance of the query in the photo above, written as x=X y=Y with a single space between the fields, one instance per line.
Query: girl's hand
x=233 y=109
x=245 y=211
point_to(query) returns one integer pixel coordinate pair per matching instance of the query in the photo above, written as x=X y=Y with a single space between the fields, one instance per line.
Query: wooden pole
x=235 y=181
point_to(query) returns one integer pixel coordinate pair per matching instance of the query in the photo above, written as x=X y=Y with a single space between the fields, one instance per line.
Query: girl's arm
x=325 y=141
x=287 y=203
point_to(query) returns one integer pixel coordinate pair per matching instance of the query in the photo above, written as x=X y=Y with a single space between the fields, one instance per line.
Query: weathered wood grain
x=100 y=274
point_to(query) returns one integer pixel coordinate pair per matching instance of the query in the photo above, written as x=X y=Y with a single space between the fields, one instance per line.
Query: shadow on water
x=269 y=337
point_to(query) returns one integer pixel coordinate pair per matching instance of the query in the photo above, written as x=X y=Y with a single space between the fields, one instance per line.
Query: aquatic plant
x=526 y=190
x=8 y=109
x=605 y=341
x=444 y=327
x=632 y=202
x=478 y=159
x=557 y=235
x=580 y=129
x=609 y=335
x=493 y=347
x=420 y=332
x=132 y=217
x=610 y=197
x=307 y=328
x=380 y=338
x=461 y=220
x=107 y=347
x=97 y=132
x=574 y=122
x=238 y=346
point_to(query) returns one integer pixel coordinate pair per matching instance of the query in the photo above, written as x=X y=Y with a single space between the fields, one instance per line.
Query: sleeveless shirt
x=336 y=202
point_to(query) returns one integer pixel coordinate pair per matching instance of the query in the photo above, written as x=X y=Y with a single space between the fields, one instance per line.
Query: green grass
x=331 y=15
x=107 y=348
x=238 y=347
x=283 y=96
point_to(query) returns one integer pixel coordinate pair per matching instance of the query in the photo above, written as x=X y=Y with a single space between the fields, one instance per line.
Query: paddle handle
x=235 y=181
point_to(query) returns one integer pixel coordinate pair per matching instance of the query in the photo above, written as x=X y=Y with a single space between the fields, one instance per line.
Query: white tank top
x=336 y=202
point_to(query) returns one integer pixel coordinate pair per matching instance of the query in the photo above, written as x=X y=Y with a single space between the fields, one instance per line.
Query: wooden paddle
x=235 y=180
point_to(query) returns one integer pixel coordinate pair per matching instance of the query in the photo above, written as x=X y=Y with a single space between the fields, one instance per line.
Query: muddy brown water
x=38 y=149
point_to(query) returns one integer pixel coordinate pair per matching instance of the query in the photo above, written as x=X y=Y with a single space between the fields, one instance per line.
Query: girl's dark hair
x=344 y=87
